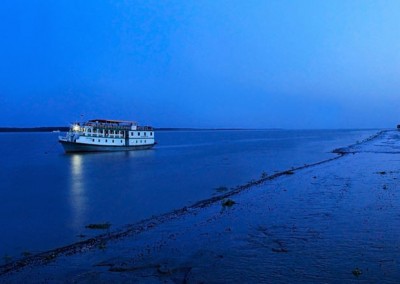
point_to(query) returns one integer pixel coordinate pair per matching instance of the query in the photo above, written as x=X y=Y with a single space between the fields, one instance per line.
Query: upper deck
x=115 y=125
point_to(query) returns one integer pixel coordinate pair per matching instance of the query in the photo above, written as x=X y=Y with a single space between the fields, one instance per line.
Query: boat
x=100 y=135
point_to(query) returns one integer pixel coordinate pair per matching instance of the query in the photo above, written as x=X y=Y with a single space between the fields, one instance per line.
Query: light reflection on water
x=118 y=174
x=77 y=192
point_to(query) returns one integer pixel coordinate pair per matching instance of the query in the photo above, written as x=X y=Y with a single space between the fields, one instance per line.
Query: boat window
x=92 y=140
x=113 y=141
x=151 y=133
x=99 y=140
x=106 y=140
x=138 y=133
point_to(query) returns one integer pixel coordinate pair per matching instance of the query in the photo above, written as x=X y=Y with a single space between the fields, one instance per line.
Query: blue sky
x=256 y=64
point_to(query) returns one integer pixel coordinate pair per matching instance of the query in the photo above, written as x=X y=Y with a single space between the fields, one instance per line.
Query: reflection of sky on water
x=125 y=187
x=77 y=192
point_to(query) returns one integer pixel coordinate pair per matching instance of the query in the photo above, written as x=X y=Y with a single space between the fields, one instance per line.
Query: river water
x=48 y=197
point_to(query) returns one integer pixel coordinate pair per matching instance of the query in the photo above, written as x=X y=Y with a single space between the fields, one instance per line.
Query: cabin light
x=75 y=127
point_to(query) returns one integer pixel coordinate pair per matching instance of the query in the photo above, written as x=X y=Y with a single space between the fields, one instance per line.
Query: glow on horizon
x=227 y=64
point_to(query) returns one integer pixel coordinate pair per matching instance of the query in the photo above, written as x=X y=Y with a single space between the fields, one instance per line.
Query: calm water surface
x=47 y=197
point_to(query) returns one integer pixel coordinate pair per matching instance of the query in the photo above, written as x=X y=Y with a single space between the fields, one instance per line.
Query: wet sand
x=335 y=221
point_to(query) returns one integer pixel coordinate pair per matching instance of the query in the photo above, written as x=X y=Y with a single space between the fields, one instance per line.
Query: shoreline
x=152 y=223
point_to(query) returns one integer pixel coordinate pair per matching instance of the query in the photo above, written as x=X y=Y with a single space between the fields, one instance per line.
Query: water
x=47 y=197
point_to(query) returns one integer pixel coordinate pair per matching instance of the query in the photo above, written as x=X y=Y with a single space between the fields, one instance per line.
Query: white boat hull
x=73 y=147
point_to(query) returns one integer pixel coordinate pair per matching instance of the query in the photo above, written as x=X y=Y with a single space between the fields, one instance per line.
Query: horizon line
x=66 y=128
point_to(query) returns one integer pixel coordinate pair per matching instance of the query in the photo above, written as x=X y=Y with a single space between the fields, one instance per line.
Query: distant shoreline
x=65 y=129
x=33 y=129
